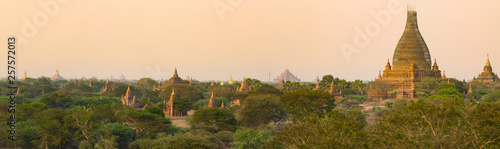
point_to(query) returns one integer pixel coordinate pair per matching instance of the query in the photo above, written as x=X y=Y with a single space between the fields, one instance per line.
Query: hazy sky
x=252 y=38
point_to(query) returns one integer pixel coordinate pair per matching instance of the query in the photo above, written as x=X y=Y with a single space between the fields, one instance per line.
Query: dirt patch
x=180 y=121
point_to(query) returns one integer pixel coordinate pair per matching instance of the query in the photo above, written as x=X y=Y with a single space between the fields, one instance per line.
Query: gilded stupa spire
x=128 y=91
x=388 y=65
x=488 y=60
x=435 y=67
x=379 y=74
x=212 y=103
x=191 y=81
x=444 y=75
x=231 y=80
x=175 y=72
x=25 y=76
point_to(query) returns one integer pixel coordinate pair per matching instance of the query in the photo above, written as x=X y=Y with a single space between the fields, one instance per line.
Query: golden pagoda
x=487 y=76
x=107 y=87
x=130 y=100
x=411 y=62
x=318 y=88
x=24 y=78
x=244 y=87
x=281 y=84
x=175 y=79
x=91 y=83
x=231 y=80
x=212 y=103
x=169 y=108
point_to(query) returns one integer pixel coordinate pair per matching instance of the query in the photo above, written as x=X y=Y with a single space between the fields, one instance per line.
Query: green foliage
x=85 y=101
x=179 y=141
x=122 y=90
x=181 y=90
x=427 y=86
x=155 y=110
x=145 y=124
x=225 y=136
x=304 y=103
x=183 y=104
x=56 y=100
x=226 y=91
x=123 y=134
x=453 y=83
x=260 y=109
x=266 y=89
x=221 y=118
x=203 y=103
x=336 y=130
x=446 y=93
x=251 y=138
x=445 y=123
x=492 y=97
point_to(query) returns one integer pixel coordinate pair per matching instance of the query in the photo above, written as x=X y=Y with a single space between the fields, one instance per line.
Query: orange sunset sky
x=213 y=39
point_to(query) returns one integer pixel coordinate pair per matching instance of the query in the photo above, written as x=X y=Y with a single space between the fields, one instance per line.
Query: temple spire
x=222 y=106
x=470 y=89
x=172 y=95
x=175 y=72
x=388 y=65
x=488 y=60
x=435 y=67
x=212 y=103
x=191 y=81
x=128 y=91
x=444 y=75
x=24 y=78
x=231 y=80
x=379 y=74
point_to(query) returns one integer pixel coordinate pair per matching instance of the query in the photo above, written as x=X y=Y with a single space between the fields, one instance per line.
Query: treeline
x=79 y=116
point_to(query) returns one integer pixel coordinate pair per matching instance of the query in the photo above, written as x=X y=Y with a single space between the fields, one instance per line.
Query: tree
x=327 y=78
x=251 y=138
x=51 y=128
x=144 y=85
x=155 y=110
x=122 y=90
x=183 y=104
x=181 y=90
x=123 y=133
x=221 y=118
x=459 y=85
x=447 y=93
x=226 y=91
x=427 y=86
x=261 y=109
x=445 y=123
x=145 y=124
x=336 y=130
x=492 y=97
x=304 y=102
x=56 y=100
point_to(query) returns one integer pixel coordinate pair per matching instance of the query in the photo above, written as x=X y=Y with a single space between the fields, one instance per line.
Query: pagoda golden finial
x=231 y=80
x=175 y=72
x=444 y=75
x=488 y=60
x=24 y=78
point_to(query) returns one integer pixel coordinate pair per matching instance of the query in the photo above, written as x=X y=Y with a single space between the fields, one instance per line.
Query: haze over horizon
x=96 y=38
